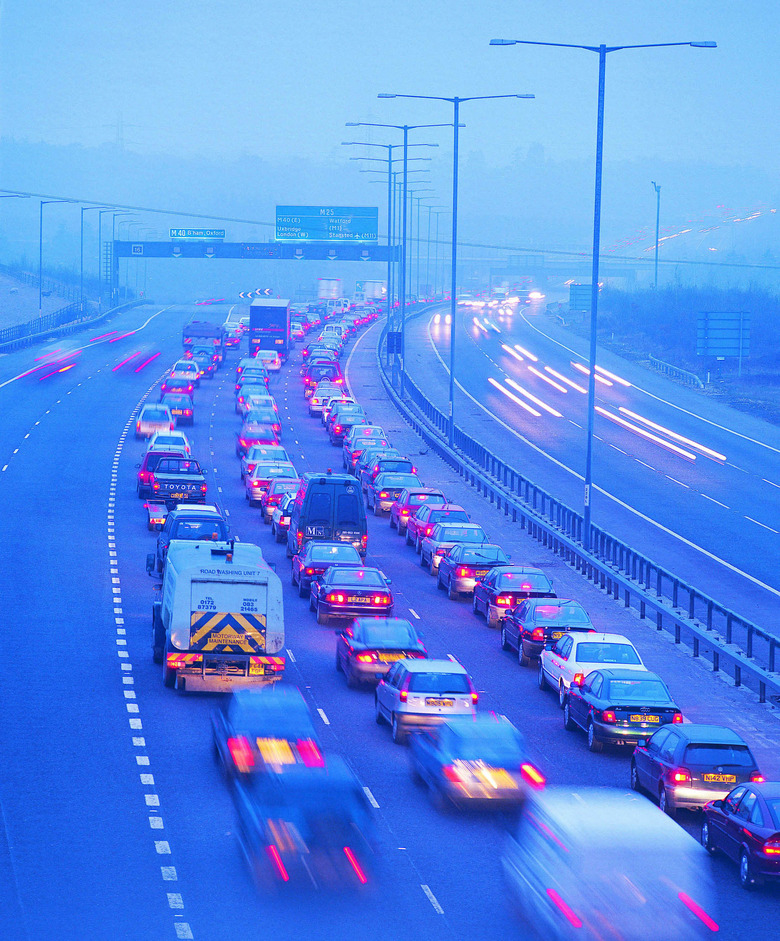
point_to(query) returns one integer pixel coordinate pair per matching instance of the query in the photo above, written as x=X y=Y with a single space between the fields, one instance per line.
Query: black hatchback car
x=618 y=707
x=538 y=622
x=505 y=586
x=745 y=826
x=689 y=765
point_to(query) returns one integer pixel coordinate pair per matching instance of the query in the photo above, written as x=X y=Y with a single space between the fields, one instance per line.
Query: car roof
x=461 y=525
x=204 y=509
x=618 y=673
x=710 y=734
x=434 y=666
x=449 y=506
x=600 y=638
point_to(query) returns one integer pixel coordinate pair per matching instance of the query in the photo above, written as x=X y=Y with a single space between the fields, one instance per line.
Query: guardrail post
x=729 y=628
x=691 y=602
x=628 y=598
x=695 y=646
x=749 y=650
x=762 y=692
x=737 y=675
x=709 y=615
x=715 y=661
x=659 y=620
x=772 y=648
x=677 y=632
x=675 y=591
x=642 y=608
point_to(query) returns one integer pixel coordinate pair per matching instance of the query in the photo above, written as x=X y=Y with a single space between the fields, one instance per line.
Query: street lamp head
x=503 y=42
x=383 y=94
x=525 y=96
x=704 y=45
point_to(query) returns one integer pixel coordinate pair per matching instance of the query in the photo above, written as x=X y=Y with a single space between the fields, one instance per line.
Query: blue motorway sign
x=197 y=233
x=327 y=223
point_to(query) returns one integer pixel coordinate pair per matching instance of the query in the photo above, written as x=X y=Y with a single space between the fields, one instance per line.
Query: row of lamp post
x=602 y=51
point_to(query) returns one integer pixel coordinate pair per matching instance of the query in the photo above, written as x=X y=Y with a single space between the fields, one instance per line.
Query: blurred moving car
x=575 y=655
x=618 y=707
x=423 y=693
x=745 y=827
x=348 y=592
x=181 y=407
x=314 y=559
x=691 y=764
x=462 y=566
x=474 y=760
x=310 y=827
x=253 y=432
x=154 y=418
x=369 y=646
x=592 y=863
x=539 y=622
x=265 y=731
x=505 y=586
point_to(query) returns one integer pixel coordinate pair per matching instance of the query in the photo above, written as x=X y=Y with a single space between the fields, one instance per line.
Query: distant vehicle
x=269 y=326
x=193 y=523
x=264 y=473
x=277 y=490
x=505 y=586
x=177 y=480
x=463 y=566
x=427 y=516
x=384 y=489
x=538 y=623
x=252 y=433
x=154 y=418
x=262 y=452
x=409 y=501
x=444 y=537
x=280 y=518
x=368 y=647
x=163 y=440
x=357 y=439
x=202 y=333
x=147 y=466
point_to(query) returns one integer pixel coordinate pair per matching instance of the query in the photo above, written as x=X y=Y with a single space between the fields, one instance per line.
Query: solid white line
x=414 y=614
x=432 y=899
x=770 y=482
x=675 y=481
x=290 y=655
x=617 y=448
x=324 y=718
x=761 y=524
x=713 y=500
x=371 y=799
x=5 y=467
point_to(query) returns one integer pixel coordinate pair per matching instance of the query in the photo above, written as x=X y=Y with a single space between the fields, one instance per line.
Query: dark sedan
x=538 y=622
x=460 y=568
x=505 y=586
x=386 y=487
x=618 y=707
x=367 y=649
x=409 y=501
x=181 y=407
x=690 y=765
x=745 y=826
x=261 y=731
x=314 y=560
x=351 y=592
x=475 y=759
x=254 y=433
x=421 y=524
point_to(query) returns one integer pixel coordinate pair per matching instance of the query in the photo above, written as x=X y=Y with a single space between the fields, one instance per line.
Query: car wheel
x=439 y=582
x=169 y=675
x=491 y=620
x=593 y=743
x=542 y=679
x=568 y=723
x=423 y=563
x=705 y=837
x=322 y=618
x=380 y=719
x=312 y=606
x=393 y=525
x=561 y=694
x=747 y=879
x=504 y=640
x=288 y=551
x=401 y=529
x=409 y=539
x=339 y=667
x=352 y=681
x=664 y=805
x=399 y=736
x=303 y=591
x=474 y=605
x=522 y=658
x=279 y=535
x=418 y=545
x=633 y=777
x=377 y=509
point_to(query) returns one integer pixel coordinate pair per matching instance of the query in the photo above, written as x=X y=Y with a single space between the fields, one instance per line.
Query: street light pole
x=657 y=189
x=455 y=102
x=601 y=51
x=44 y=202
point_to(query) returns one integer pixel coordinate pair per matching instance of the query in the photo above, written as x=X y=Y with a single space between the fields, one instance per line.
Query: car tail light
x=465 y=572
x=187 y=412
x=276 y=859
x=772 y=847
x=138 y=426
x=532 y=775
x=452 y=774
x=366 y=657
x=503 y=601
x=204 y=488
x=355 y=865
x=309 y=753
x=336 y=598
x=403 y=695
x=474 y=694
x=537 y=633
x=155 y=485
x=299 y=538
x=243 y=442
x=364 y=541
x=680 y=776
x=577 y=679
x=608 y=716
x=566 y=910
x=383 y=495
x=404 y=512
x=428 y=530
x=698 y=911
x=757 y=778
x=677 y=718
x=441 y=551
x=241 y=753
x=337 y=429
x=255 y=483
x=380 y=599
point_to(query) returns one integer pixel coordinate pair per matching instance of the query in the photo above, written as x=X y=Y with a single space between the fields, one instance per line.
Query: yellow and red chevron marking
x=177 y=659
x=227 y=632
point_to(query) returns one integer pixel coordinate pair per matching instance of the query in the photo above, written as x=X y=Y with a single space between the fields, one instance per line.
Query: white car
x=154 y=418
x=256 y=400
x=581 y=653
x=324 y=391
x=327 y=405
x=186 y=369
x=162 y=440
x=270 y=359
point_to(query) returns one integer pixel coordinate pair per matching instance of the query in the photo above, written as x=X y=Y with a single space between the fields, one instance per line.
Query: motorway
x=114 y=820
x=680 y=477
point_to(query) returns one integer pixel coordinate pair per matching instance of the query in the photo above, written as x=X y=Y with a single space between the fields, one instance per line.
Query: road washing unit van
x=219 y=623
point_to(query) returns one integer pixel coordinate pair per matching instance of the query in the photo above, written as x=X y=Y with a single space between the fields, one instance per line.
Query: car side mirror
x=389 y=581
x=641 y=742
x=150 y=563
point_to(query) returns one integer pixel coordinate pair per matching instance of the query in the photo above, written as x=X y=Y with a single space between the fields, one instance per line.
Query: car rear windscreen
x=512 y=581
x=438 y=683
x=638 y=691
x=606 y=653
x=712 y=754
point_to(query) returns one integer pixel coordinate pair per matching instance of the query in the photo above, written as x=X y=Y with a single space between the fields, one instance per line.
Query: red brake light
x=365 y=657
x=204 y=488
x=677 y=718
x=241 y=753
x=532 y=775
x=336 y=598
x=578 y=678
x=503 y=601
x=380 y=599
x=364 y=541
x=465 y=572
x=757 y=778
x=383 y=495
x=337 y=429
x=404 y=512
x=403 y=695
x=537 y=633
x=155 y=485
x=428 y=530
x=680 y=776
x=309 y=753
x=273 y=852
x=309 y=570
x=299 y=538
x=474 y=694
x=608 y=716
x=772 y=847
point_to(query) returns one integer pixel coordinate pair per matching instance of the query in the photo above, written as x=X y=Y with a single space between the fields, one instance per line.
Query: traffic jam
x=303 y=815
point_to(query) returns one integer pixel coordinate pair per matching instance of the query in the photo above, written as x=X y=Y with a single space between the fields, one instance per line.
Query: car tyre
x=542 y=679
x=747 y=879
x=504 y=640
x=664 y=804
x=392 y=524
x=377 y=509
x=705 y=837
x=303 y=591
x=568 y=723
x=593 y=743
x=409 y=539
x=401 y=529
x=380 y=719
x=339 y=667
x=352 y=681
x=522 y=657
x=474 y=605
x=451 y=593
x=423 y=563
x=439 y=582
x=633 y=777
x=322 y=618
x=561 y=693
x=399 y=736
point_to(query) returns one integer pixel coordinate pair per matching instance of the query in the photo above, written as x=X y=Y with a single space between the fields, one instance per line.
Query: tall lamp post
x=44 y=202
x=657 y=188
x=81 y=252
x=402 y=277
x=416 y=224
x=602 y=52
x=456 y=103
x=437 y=212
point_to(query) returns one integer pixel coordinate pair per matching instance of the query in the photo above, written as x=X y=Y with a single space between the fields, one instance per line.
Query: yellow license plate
x=391 y=657
x=720 y=778
x=556 y=635
x=256 y=669
x=358 y=599
x=440 y=702
x=655 y=719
